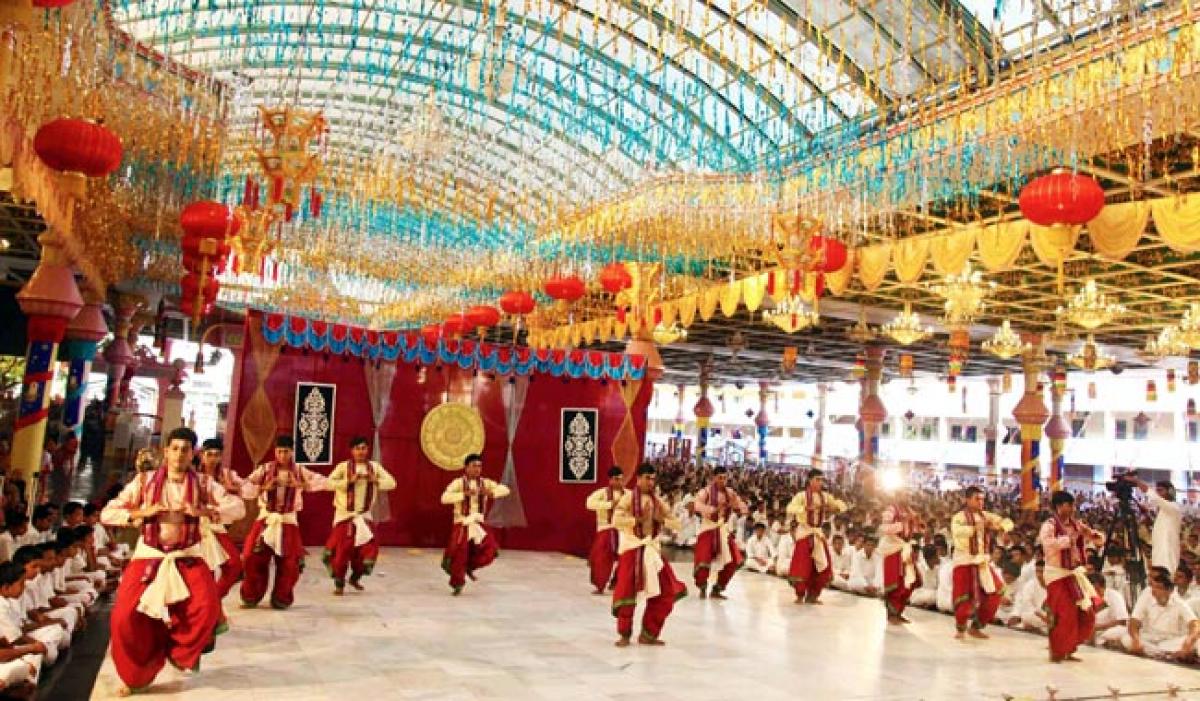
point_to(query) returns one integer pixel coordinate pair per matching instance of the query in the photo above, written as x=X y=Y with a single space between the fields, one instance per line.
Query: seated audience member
x=842 y=562
x=760 y=554
x=1112 y=616
x=1007 y=611
x=20 y=655
x=55 y=633
x=945 y=590
x=16 y=526
x=41 y=528
x=1030 y=603
x=866 y=573
x=1186 y=589
x=783 y=551
x=925 y=595
x=1162 y=625
x=1115 y=577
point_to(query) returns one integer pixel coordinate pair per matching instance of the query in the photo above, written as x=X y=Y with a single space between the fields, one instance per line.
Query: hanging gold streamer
x=837 y=282
x=1053 y=244
x=687 y=310
x=708 y=302
x=1177 y=220
x=731 y=294
x=754 y=289
x=1000 y=244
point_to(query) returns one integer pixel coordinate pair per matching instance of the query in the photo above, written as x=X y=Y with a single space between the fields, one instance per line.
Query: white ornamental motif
x=314 y=425
x=579 y=446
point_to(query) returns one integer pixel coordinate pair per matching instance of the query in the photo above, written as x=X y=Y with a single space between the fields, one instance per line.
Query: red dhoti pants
x=1070 y=626
x=231 y=569
x=971 y=602
x=803 y=574
x=629 y=572
x=257 y=557
x=341 y=554
x=142 y=645
x=603 y=557
x=895 y=593
x=463 y=556
x=708 y=548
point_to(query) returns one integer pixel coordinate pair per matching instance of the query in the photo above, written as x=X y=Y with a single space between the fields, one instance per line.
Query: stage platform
x=531 y=629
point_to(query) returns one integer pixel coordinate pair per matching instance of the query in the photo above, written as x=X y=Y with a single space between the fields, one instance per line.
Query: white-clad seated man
x=1029 y=605
x=1162 y=625
x=925 y=595
x=1112 y=616
x=760 y=554
x=866 y=573
x=945 y=590
x=784 y=549
x=842 y=562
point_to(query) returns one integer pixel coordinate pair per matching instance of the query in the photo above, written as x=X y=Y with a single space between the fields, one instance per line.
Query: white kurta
x=1164 y=627
x=1164 y=541
x=866 y=572
x=760 y=554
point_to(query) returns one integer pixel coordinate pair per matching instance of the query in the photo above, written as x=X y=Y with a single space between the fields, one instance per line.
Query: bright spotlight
x=891 y=479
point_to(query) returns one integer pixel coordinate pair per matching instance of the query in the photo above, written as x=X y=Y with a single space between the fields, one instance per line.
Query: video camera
x=1122 y=485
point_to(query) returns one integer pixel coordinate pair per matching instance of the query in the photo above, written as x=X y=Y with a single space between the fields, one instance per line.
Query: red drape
x=554 y=511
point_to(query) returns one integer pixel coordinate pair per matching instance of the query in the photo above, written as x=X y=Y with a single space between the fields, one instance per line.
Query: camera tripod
x=1125 y=526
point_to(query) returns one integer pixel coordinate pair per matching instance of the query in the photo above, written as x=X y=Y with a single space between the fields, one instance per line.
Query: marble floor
x=530 y=629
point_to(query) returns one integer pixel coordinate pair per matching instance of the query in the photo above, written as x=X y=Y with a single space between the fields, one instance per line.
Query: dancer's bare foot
x=718 y=595
x=896 y=620
x=904 y=620
x=960 y=635
x=598 y=592
x=124 y=691
x=1072 y=658
x=650 y=641
x=976 y=633
x=357 y=586
x=622 y=642
x=339 y=592
x=799 y=600
x=812 y=600
x=703 y=592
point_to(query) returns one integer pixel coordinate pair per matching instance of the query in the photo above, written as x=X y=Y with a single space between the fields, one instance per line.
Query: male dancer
x=641 y=570
x=603 y=556
x=716 y=547
x=351 y=545
x=900 y=575
x=279 y=486
x=1070 y=597
x=810 y=571
x=977 y=587
x=472 y=545
x=167 y=605
x=220 y=551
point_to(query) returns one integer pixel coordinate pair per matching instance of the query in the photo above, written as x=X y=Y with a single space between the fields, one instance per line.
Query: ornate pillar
x=172 y=400
x=762 y=422
x=1057 y=428
x=704 y=412
x=818 y=456
x=871 y=410
x=81 y=339
x=991 y=433
x=1031 y=413
x=118 y=354
x=49 y=301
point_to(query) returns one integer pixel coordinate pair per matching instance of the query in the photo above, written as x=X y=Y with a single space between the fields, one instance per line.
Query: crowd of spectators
x=1158 y=618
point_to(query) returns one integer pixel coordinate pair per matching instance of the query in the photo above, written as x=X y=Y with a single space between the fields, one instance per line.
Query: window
x=956 y=433
x=885 y=429
x=1141 y=429
x=972 y=434
x=1193 y=431
x=1078 y=428
x=1122 y=428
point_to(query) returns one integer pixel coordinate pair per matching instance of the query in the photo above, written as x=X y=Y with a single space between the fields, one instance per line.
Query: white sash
x=168 y=586
x=910 y=568
x=362 y=531
x=475 y=530
x=210 y=547
x=652 y=562
x=272 y=535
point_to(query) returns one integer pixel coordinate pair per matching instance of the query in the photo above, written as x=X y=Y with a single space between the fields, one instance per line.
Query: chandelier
x=426 y=138
x=665 y=335
x=791 y=315
x=861 y=332
x=1089 y=308
x=964 y=295
x=1005 y=343
x=1168 y=342
x=1062 y=338
x=1090 y=358
x=906 y=328
x=1188 y=330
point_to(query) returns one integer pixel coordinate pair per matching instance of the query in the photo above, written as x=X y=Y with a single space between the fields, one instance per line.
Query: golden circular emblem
x=451 y=432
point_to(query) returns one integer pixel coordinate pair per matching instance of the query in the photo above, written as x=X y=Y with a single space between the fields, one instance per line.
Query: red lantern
x=78 y=146
x=190 y=287
x=830 y=254
x=516 y=302
x=614 y=278
x=1061 y=197
x=208 y=220
x=430 y=335
x=566 y=289
x=454 y=326
x=482 y=316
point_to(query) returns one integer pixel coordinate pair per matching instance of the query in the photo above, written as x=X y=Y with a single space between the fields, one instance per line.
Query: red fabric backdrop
x=555 y=513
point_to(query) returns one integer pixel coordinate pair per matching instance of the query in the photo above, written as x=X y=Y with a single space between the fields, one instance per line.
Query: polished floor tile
x=530 y=629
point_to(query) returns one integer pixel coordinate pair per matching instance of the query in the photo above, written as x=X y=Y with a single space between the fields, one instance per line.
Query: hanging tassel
x=315 y=202
x=276 y=189
x=1171 y=380
x=1151 y=391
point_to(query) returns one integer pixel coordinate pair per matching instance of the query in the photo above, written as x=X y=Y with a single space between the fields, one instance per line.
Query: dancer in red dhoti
x=1071 y=599
x=900 y=575
x=810 y=570
x=472 y=545
x=279 y=487
x=716 y=548
x=351 y=545
x=603 y=556
x=977 y=587
x=220 y=551
x=167 y=606
x=641 y=570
